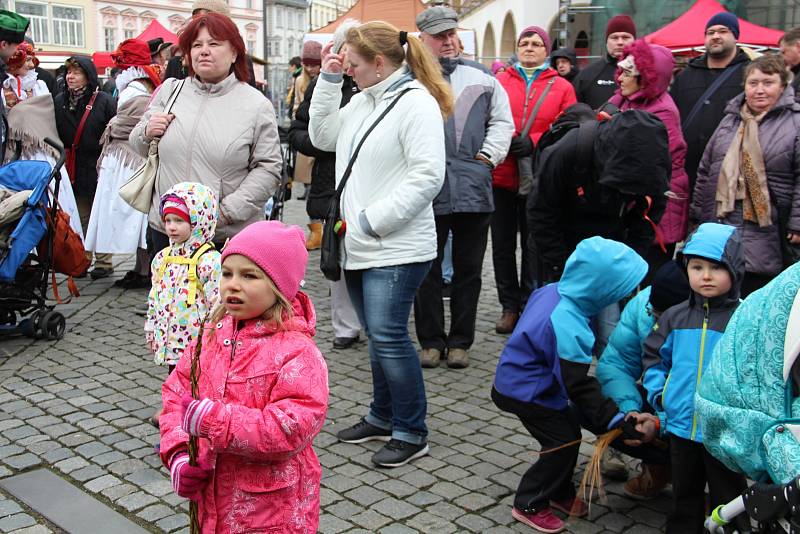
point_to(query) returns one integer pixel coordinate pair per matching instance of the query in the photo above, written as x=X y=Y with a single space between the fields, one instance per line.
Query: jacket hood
x=202 y=204
x=303 y=320
x=786 y=100
x=544 y=74
x=568 y=53
x=720 y=243
x=599 y=273
x=654 y=63
x=88 y=67
x=700 y=62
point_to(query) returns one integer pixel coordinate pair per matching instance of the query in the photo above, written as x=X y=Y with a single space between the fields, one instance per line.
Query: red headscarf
x=136 y=53
x=21 y=56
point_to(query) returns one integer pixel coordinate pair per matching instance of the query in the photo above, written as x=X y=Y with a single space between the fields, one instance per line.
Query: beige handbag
x=138 y=190
x=302 y=168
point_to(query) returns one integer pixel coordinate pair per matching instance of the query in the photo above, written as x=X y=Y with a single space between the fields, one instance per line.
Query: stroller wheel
x=30 y=326
x=54 y=325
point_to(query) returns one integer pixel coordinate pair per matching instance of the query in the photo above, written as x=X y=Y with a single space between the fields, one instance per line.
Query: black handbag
x=335 y=227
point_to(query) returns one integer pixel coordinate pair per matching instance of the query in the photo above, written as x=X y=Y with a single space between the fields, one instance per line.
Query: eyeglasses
x=722 y=32
x=531 y=44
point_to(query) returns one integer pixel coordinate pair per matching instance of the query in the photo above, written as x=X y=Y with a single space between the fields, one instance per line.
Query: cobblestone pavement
x=77 y=407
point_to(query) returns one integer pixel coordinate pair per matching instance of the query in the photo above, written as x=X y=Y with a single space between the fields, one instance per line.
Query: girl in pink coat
x=643 y=76
x=263 y=394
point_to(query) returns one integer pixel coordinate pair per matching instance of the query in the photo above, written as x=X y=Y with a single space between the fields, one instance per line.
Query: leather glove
x=188 y=481
x=194 y=413
x=521 y=146
x=629 y=431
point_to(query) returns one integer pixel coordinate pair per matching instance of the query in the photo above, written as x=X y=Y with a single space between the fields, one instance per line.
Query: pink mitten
x=187 y=480
x=194 y=411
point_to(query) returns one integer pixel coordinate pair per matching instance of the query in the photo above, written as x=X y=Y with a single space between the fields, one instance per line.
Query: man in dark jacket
x=477 y=138
x=790 y=50
x=700 y=117
x=71 y=105
x=565 y=61
x=346 y=326
x=595 y=84
x=12 y=33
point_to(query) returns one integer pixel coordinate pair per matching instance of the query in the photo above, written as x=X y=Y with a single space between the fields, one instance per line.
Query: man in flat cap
x=477 y=137
x=12 y=33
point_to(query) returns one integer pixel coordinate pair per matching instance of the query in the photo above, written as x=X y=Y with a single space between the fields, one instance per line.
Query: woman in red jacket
x=537 y=95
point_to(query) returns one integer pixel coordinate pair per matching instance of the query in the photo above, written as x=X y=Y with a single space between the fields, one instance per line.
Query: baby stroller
x=775 y=507
x=273 y=209
x=24 y=267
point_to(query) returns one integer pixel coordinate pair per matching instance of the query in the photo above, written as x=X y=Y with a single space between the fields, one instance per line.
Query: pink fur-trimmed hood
x=654 y=63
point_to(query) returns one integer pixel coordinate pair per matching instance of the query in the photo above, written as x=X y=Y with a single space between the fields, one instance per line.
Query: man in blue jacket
x=543 y=375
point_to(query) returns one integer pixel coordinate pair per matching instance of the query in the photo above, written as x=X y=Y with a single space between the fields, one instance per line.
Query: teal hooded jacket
x=747 y=401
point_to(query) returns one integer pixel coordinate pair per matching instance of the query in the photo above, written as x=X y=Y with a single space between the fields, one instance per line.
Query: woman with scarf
x=643 y=77
x=114 y=226
x=29 y=109
x=749 y=176
x=71 y=106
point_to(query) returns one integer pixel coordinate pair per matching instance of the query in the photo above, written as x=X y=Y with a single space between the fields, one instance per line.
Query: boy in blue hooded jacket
x=676 y=353
x=543 y=373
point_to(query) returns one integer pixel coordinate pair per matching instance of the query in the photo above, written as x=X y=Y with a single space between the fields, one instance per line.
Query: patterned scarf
x=744 y=175
x=75 y=96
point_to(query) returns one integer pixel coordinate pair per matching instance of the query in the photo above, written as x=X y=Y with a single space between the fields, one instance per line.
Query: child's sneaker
x=574 y=507
x=544 y=520
x=363 y=431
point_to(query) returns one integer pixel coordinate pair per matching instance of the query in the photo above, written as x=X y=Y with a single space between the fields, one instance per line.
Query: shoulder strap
x=192 y=263
x=711 y=90
x=79 y=132
x=174 y=96
x=535 y=110
x=352 y=161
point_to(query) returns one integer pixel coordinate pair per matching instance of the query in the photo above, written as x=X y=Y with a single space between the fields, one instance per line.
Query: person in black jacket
x=790 y=50
x=722 y=58
x=565 y=61
x=596 y=84
x=81 y=79
x=322 y=188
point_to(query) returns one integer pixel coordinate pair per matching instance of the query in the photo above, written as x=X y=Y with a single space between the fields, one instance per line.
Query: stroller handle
x=60 y=149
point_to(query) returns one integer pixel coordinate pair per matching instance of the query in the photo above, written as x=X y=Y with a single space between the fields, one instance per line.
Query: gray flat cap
x=437 y=19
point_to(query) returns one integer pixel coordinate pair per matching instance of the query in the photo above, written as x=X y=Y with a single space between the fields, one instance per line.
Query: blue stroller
x=24 y=273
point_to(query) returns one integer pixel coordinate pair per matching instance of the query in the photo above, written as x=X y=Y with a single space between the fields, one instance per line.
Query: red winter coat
x=560 y=97
x=654 y=64
x=274 y=387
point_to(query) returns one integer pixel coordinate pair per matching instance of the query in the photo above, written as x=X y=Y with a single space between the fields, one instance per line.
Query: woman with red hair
x=114 y=226
x=220 y=131
x=30 y=112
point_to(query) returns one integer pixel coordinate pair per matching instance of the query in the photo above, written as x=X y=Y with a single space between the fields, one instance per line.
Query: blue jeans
x=382 y=298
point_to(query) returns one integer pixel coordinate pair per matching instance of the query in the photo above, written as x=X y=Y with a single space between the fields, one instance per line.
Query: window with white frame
x=67 y=25
x=251 y=46
x=37 y=14
x=279 y=17
x=110 y=38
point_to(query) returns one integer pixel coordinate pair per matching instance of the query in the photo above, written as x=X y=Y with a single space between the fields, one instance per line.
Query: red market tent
x=155 y=30
x=401 y=14
x=687 y=31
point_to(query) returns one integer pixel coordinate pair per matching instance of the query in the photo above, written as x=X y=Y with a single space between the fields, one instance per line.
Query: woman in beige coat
x=220 y=132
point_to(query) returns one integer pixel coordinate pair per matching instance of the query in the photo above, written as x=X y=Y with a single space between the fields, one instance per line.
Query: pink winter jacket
x=655 y=64
x=274 y=389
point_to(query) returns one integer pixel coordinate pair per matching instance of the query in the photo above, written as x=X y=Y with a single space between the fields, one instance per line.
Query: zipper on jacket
x=188 y=175
x=235 y=337
x=700 y=365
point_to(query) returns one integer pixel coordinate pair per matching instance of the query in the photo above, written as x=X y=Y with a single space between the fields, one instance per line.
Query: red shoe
x=574 y=507
x=543 y=520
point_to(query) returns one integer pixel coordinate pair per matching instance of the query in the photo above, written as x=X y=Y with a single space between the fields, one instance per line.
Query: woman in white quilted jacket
x=390 y=235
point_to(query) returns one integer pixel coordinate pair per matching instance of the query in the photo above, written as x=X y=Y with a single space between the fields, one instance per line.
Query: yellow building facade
x=65 y=27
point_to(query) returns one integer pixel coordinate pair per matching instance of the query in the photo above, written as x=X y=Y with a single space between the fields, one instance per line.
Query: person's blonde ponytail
x=380 y=38
x=429 y=73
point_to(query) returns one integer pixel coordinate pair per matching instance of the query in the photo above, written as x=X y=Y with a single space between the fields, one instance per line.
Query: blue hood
x=721 y=243
x=599 y=273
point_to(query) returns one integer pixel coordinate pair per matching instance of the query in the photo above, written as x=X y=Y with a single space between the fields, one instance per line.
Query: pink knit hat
x=278 y=249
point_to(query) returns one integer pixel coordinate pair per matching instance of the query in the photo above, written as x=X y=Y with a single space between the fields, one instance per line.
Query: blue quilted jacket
x=746 y=402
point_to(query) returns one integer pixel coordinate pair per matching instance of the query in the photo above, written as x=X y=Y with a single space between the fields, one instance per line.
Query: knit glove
x=521 y=146
x=195 y=412
x=629 y=431
x=188 y=481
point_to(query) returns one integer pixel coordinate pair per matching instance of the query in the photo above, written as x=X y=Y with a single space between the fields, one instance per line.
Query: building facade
x=323 y=12
x=65 y=26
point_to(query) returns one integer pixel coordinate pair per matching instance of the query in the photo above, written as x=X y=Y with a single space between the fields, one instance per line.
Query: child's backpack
x=192 y=262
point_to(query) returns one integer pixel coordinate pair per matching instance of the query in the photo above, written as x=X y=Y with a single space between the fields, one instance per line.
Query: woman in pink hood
x=643 y=76
x=262 y=394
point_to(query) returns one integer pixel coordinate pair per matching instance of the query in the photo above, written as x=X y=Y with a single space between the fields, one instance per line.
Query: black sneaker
x=363 y=431
x=397 y=453
x=341 y=343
